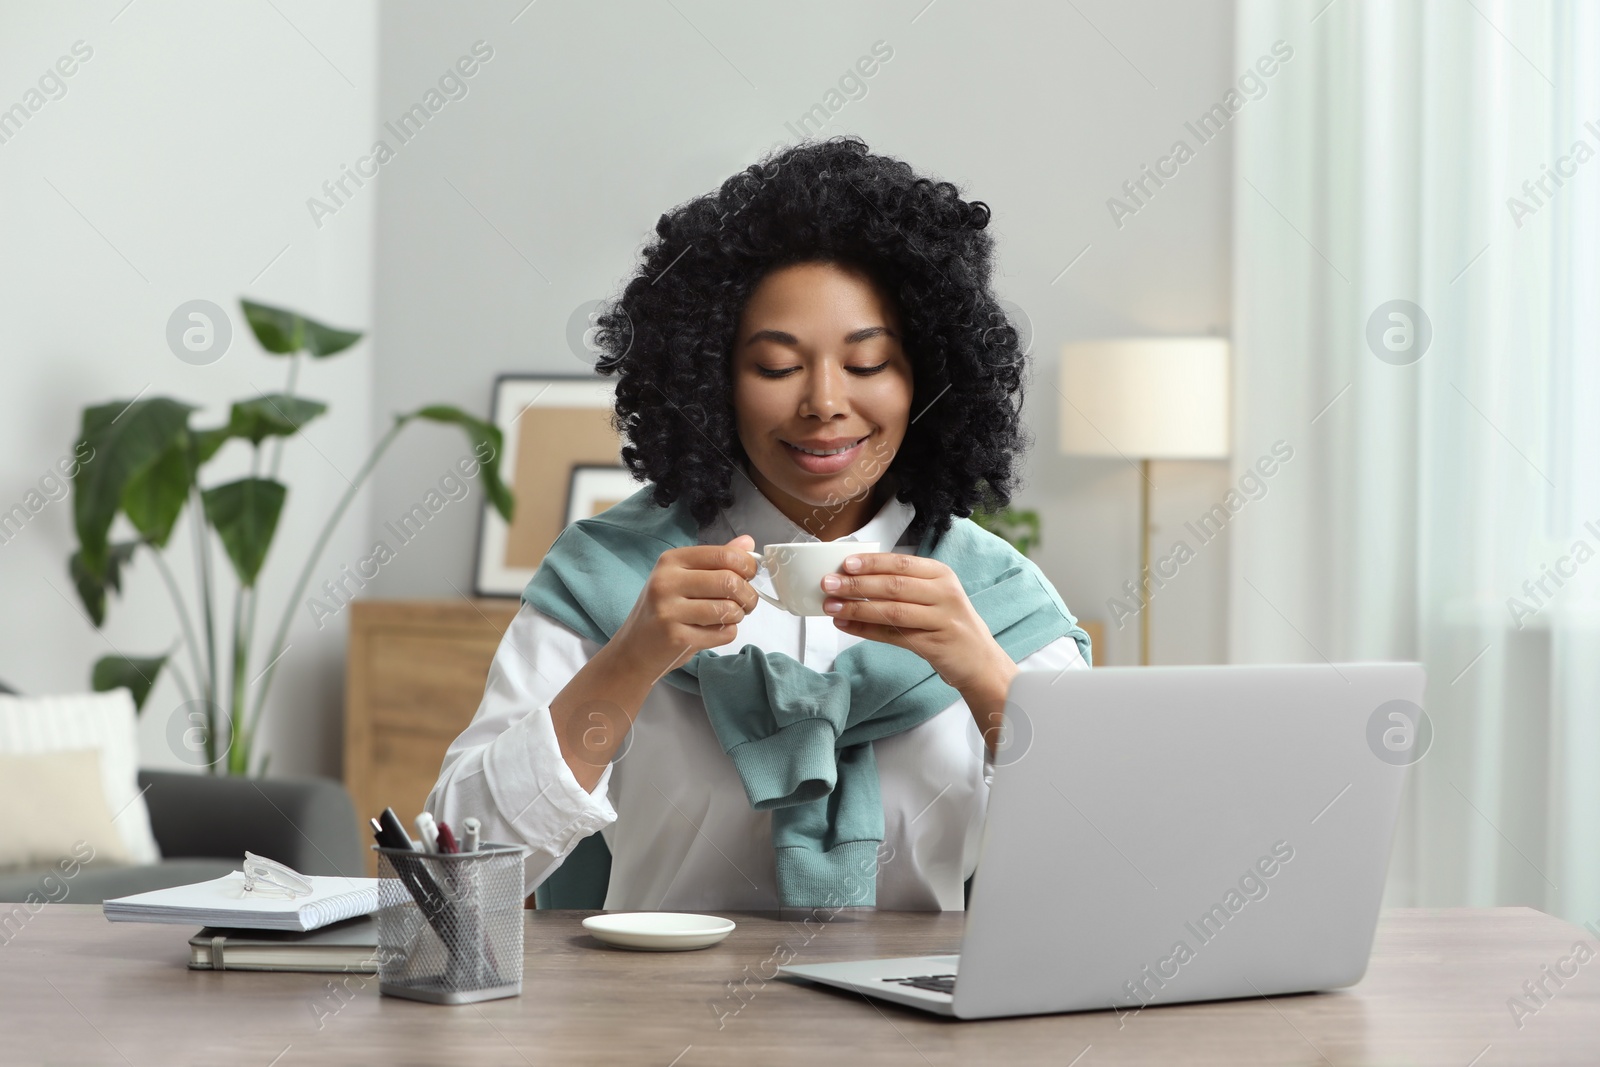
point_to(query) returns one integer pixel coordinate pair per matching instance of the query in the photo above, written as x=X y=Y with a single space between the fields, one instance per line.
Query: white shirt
x=670 y=806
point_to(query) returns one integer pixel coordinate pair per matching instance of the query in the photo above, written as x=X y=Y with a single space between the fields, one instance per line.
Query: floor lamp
x=1140 y=399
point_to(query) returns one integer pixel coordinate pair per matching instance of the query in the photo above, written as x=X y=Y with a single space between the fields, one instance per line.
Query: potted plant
x=147 y=466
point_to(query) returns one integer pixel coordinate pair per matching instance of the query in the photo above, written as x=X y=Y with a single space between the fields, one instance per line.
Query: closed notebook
x=223 y=902
x=350 y=946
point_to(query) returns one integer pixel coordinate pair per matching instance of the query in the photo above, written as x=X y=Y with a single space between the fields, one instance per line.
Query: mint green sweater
x=800 y=740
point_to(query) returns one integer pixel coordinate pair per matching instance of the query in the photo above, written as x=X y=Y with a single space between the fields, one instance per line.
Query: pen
x=418 y=882
x=447 y=839
x=471 y=829
x=431 y=900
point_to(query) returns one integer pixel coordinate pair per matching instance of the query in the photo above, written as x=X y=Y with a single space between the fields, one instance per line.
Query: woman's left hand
x=918 y=604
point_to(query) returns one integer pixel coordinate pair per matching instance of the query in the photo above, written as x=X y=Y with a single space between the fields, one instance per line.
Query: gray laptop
x=1160 y=835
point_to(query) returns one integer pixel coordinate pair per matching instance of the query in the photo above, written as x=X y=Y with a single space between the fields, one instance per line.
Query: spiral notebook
x=223 y=902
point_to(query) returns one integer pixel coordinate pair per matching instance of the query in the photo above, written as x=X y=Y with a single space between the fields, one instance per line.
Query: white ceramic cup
x=797 y=568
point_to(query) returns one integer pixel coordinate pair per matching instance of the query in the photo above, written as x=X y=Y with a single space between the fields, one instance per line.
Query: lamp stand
x=1144 y=561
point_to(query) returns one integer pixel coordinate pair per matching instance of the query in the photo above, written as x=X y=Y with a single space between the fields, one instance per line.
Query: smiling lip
x=813 y=464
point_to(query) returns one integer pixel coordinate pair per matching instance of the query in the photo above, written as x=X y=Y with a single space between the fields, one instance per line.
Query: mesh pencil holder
x=450 y=924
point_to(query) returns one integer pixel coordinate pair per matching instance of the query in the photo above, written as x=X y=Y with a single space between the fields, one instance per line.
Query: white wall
x=175 y=167
x=533 y=193
x=185 y=149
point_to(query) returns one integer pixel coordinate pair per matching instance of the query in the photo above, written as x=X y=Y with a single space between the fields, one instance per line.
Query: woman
x=810 y=354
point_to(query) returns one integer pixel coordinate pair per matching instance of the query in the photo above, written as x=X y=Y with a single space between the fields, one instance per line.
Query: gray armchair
x=204 y=824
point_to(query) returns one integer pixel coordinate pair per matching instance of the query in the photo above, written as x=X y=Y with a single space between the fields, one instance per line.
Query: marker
x=395 y=832
x=472 y=828
x=428 y=831
x=447 y=839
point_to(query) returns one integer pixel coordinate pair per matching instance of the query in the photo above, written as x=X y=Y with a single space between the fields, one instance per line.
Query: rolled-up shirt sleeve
x=506 y=767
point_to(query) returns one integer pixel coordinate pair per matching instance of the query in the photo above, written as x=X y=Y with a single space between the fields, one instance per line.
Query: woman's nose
x=824 y=392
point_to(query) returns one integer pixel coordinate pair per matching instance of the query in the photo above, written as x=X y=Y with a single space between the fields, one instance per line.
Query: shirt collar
x=752 y=513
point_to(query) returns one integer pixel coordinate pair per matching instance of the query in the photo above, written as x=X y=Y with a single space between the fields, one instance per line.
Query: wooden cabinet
x=414 y=677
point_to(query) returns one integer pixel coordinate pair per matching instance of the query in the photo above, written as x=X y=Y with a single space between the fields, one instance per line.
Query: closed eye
x=784 y=372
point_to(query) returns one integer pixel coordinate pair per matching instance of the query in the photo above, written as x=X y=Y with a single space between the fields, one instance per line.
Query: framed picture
x=594 y=489
x=554 y=426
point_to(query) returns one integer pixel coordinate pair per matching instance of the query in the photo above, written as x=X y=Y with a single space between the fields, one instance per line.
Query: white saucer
x=658 y=931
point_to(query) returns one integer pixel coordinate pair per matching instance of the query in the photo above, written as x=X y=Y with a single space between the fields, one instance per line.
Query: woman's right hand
x=694 y=599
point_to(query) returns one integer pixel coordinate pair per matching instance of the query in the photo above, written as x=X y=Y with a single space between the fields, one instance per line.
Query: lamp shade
x=1145 y=398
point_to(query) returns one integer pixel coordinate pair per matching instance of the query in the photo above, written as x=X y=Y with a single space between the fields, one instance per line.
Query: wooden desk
x=76 y=989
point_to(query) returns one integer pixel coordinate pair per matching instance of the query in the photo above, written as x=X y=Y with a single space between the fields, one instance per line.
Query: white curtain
x=1442 y=507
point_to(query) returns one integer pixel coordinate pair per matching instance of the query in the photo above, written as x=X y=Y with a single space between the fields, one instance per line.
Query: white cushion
x=57 y=810
x=103 y=721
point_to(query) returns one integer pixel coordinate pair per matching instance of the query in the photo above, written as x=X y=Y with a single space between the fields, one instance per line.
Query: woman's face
x=818 y=368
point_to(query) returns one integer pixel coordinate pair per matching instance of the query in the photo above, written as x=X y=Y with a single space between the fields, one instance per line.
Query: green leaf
x=274 y=415
x=207 y=442
x=125 y=438
x=268 y=415
x=487 y=443
x=245 y=514
x=92 y=587
x=154 y=497
x=138 y=674
x=285 y=332
x=323 y=341
x=280 y=332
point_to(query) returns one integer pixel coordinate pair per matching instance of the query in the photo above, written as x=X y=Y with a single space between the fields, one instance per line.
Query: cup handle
x=761 y=561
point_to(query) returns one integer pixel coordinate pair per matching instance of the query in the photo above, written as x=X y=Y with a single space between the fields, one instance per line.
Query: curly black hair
x=670 y=336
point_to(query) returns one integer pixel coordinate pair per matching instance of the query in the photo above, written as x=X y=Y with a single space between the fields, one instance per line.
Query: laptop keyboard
x=935 y=983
